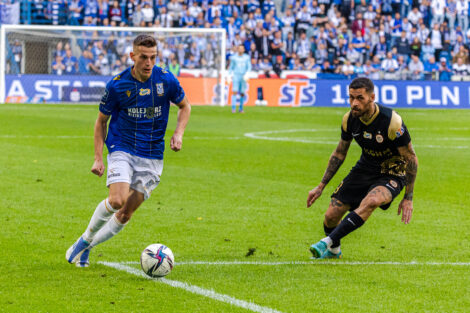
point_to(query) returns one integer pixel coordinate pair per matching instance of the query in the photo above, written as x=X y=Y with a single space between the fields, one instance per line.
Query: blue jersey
x=239 y=65
x=139 y=112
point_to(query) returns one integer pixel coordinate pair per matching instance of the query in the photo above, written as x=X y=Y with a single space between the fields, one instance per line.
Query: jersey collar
x=373 y=116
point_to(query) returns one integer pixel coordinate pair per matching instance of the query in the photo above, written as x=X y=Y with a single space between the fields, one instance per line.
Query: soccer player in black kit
x=387 y=164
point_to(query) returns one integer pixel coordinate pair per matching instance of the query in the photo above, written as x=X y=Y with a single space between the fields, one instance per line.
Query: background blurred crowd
x=381 y=39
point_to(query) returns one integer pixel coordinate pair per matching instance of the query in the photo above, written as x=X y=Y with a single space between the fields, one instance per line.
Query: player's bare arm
x=99 y=137
x=406 y=205
x=183 y=117
x=336 y=159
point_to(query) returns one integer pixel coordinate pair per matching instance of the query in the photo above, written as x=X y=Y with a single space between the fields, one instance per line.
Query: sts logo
x=298 y=93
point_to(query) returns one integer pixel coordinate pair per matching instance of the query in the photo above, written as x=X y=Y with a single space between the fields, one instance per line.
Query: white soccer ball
x=157 y=260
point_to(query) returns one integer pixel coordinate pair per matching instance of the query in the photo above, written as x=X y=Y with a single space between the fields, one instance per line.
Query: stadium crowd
x=380 y=39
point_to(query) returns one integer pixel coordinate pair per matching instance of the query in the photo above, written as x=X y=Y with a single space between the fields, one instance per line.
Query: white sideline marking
x=43 y=136
x=261 y=135
x=195 y=289
x=313 y=262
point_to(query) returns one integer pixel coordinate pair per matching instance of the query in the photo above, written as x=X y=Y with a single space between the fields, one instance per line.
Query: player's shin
x=350 y=223
x=234 y=103
x=242 y=99
x=101 y=216
x=111 y=229
x=335 y=246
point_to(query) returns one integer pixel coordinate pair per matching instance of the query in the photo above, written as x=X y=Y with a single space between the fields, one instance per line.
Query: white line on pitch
x=314 y=262
x=261 y=135
x=43 y=136
x=195 y=289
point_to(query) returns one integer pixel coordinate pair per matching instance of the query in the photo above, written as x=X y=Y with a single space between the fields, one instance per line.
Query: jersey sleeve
x=109 y=100
x=397 y=131
x=345 y=133
x=176 y=91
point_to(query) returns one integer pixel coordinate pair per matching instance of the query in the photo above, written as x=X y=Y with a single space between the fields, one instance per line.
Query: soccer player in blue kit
x=240 y=65
x=138 y=103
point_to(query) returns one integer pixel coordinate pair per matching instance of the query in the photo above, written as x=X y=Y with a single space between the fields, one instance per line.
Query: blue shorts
x=238 y=85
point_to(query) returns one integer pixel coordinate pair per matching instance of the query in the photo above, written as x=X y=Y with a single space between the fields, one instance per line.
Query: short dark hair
x=145 y=40
x=362 y=82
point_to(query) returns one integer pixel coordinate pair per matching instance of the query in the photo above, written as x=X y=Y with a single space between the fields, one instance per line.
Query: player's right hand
x=313 y=195
x=98 y=168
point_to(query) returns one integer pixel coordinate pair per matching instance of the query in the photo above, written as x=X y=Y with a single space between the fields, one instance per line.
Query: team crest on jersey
x=128 y=93
x=367 y=135
x=164 y=71
x=160 y=90
x=400 y=132
x=379 y=138
x=118 y=77
x=393 y=184
x=144 y=92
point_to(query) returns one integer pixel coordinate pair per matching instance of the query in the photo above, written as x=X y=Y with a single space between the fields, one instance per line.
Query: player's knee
x=123 y=216
x=116 y=202
x=331 y=219
x=371 y=202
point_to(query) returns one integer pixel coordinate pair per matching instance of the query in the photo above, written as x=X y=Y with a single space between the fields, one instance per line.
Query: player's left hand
x=406 y=209
x=176 y=142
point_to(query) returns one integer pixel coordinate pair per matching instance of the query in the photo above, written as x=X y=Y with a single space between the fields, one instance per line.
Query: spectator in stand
x=380 y=49
x=59 y=51
x=138 y=17
x=389 y=66
x=352 y=54
x=359 y=70
x=84 y=62
x=279 y=66
x=462 y=54
x=288 y=22
x=58 y=67
x=371 y=71
x=396 y=29
x=359 y=24
x=437 y=40
x=266 y=66
x=451 y=12
x=115 y=12
x=191 y=62
x=403 y=71
x=347 y=69
x=431 y=69
x=403 y=47
x=414 y=16
x=303 y=18
x=459 y=70
x=438 y=11
x=103 y=9
x=75 y=12
x=423 y=33
x=147 y=14
x=416 y=68
x=462 y=14
x=415 y=47
x=321 y=54
x=445 y=73
x=359 y=44
x=174 y=67
x=70 y=62
x=91 y=10
x=303 y=47
x=370 y=14
x=117 y=68
x=427 y=50
x=296 y=64
x=328 y=68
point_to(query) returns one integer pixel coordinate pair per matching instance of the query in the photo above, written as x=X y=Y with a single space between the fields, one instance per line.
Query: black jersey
x=379 y=139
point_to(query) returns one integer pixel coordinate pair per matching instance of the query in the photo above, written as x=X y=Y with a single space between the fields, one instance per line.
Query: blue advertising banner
x=282 y=92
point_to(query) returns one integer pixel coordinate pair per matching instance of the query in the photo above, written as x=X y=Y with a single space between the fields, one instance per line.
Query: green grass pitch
x=240 y=183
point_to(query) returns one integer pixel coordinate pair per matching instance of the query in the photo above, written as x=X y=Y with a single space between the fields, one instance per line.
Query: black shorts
x=358 y=183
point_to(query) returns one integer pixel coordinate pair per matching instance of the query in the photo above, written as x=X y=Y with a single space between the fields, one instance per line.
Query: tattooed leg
x=335 y=213
x=378 y=196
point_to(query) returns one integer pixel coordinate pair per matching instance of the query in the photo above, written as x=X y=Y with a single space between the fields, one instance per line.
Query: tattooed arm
x=336 y=159
x=406 y=205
